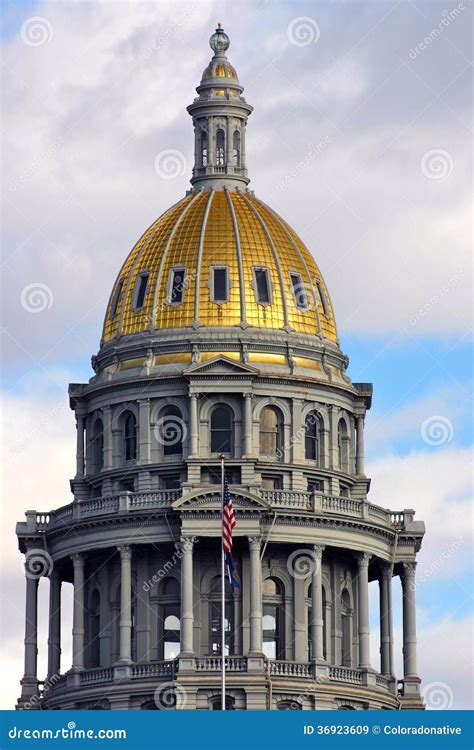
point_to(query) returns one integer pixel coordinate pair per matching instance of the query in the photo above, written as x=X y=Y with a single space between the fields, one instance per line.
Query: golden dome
x=271 y=280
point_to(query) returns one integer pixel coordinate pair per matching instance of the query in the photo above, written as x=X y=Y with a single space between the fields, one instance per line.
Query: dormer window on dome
x=299 y=291
x=262 y=285
x=219 y=284
x=141 y=286
x=176 y=286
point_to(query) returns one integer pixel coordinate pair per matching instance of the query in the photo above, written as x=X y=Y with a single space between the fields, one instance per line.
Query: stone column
x=80 y=426
x=125 y=655
x=54 y=634
x=116 y=445
x=333 y=424
x=360 y=446
x=317 y=605
x=144 y=432
x=297 y=431
x=108 y=449
x=78 y=613
x=409 y=620
x=386 y=638
x=255 y=616
x=29 y=683
x=363 y=609
x=187 y=612
x=193 y=425
x=248 y=425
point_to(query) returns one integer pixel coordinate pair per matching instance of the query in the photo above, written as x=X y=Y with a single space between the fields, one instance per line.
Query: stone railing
x=382 y=681
x=94 y=676
x=290 y=500
x=345 y=674
x=214 y=664
x=290 y=669
x=155 y=669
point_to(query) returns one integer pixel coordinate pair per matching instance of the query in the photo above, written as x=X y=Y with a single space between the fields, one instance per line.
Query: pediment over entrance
x=221 y=365
x=211 y=500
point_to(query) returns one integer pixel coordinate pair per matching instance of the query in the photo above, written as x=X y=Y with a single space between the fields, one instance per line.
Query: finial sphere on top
x=219 y=41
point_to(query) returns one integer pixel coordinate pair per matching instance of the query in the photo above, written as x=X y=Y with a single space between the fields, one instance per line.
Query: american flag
x=228 y=524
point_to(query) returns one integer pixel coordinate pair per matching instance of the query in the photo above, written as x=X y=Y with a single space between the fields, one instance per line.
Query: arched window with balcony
x=222 y=429
x=130 y=436
x=215 y=617
x=271 y=433
x=236 y=149
x=170 y=615
x=343 y=445
x=273 y=619
x=220 y=148
x=170 y=431
x=314 y=438
x=97 y=446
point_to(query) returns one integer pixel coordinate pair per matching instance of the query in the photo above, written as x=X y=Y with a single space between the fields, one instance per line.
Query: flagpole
x=222 y=586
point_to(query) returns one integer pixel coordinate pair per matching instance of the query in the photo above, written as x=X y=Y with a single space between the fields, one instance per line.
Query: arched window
x=130 y=436
x=289 y=706
x=97 y=446
x=273 y=620
x=314 y=433
x=216 y=703
x=93 y=627
x=221 y=430
x=204 y=149
x=346 y=616
x=271 y=433
x=343 y=445
x=170 y=431
x=220 y=148
x=215 y=617
x=236 y=149
x=170 y=596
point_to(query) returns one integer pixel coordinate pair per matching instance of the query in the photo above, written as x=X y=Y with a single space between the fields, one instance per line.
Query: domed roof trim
x=219 y=228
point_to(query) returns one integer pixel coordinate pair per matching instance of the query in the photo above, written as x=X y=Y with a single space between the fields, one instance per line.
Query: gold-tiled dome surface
x=219 y=228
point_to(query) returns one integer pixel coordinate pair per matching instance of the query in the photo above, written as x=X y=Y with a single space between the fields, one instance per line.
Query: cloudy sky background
x=94 y=92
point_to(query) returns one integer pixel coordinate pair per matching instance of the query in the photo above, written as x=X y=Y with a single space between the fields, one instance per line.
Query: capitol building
x=219 y=338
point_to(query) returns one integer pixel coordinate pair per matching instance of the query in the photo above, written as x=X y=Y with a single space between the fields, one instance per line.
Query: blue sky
x=384 y=208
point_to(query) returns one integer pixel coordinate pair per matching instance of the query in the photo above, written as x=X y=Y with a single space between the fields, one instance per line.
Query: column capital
x=249 y=395
x=255 y=542
x=385 y=570
x=186 y=544
x=144 y=402
x=363 y=559
x=318 y=550
x=125 y=551
x=106 y=409
x=78 y=559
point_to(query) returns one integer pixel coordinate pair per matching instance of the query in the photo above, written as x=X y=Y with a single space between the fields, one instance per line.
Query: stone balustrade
x=345 y=674
x=290 y=669
x=130 y=502
x=214 y=664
